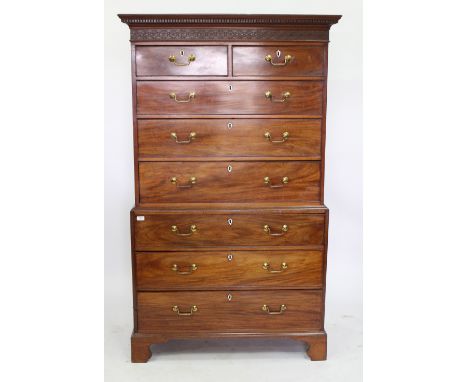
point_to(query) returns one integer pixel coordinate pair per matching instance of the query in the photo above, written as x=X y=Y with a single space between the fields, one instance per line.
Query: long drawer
x=252 y=311
x=229 y=137
x=199 y=182
x=228 y=270
x=158 y=231
x=230 y=97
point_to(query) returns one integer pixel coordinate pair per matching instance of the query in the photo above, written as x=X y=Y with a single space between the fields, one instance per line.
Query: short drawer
x=229 y=270
x=278 y=61
x=158 y=231
x=230 y=97
x=246 y=311
x=229 y=137
x=237 y=182
x=181 y=60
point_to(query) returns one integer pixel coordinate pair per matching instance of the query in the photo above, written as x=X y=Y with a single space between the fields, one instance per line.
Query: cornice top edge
x=214 y=19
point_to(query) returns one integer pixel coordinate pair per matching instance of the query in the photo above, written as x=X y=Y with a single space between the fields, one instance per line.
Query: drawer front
x=278 y=61
x=170 y=231
x=246 y=311
x=229 y=270
x=181 y=60
x=229 y=97
x=199 y=182
x=229 y=137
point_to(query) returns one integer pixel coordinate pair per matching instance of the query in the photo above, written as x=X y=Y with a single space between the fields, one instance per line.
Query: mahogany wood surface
x=282 y=208
x=155 y=232
x=154 y=61
x=229 y=265
x=141 y=348
x=316 y=341
x=305 y=61
x=229 y=182
x=228 y=270
x=316 y=346
x=215 y=97
x=232 y=137
x=242 y=312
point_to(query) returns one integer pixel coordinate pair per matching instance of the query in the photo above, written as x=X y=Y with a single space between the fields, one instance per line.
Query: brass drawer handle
x=267 y=267
x=284 y=181
x=174 y=97
x=191 y=137
x=191 y=269
x=287 y=60
x=267 y=135
x=284 y=96
x=191 y=183
x=193 y=228
x=193 y=309
x=267 y=229
x=190 y=59
x=266 y=309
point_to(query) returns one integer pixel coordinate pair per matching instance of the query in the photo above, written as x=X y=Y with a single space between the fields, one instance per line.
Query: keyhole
x=181 y=52
x=229 y=257
x=229 y=168
x=278 y=53
x=229 y=125
x=229 y=297
x=230 y=88
x=229 y=221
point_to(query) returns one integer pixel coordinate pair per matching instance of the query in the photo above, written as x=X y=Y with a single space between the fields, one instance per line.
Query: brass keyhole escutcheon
x=229 y=257
x=229 y=168
x=229 y=297
x=229 y=221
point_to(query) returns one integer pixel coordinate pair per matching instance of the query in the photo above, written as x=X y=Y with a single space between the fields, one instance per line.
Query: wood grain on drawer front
x=234 y=230
x=305 y=61
x=154 y=61
x=230 y=137
x=233 y=269
x=242 y=312
x=214 y=97
x=229 y=182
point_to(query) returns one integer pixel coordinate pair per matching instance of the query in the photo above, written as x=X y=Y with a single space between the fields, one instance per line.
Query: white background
x=415 y=187
x=343 y=191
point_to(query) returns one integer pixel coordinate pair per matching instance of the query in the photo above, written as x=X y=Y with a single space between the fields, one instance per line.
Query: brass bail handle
x=267 y=309
x=190 y=269
x=175 y=229
x=266 y=266
x=267 y=229
x=191 y=137
x=192 y=181
x=284 y=181
x=191 y=58
x=193 y=309
x=191 y=96
x=285 y=136
x=286 y=61
x=284 y=96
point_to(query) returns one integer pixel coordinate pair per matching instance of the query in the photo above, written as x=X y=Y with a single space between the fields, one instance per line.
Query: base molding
x=141 y=342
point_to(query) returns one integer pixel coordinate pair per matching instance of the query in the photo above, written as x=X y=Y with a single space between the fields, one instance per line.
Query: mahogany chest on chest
x=229 y=229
